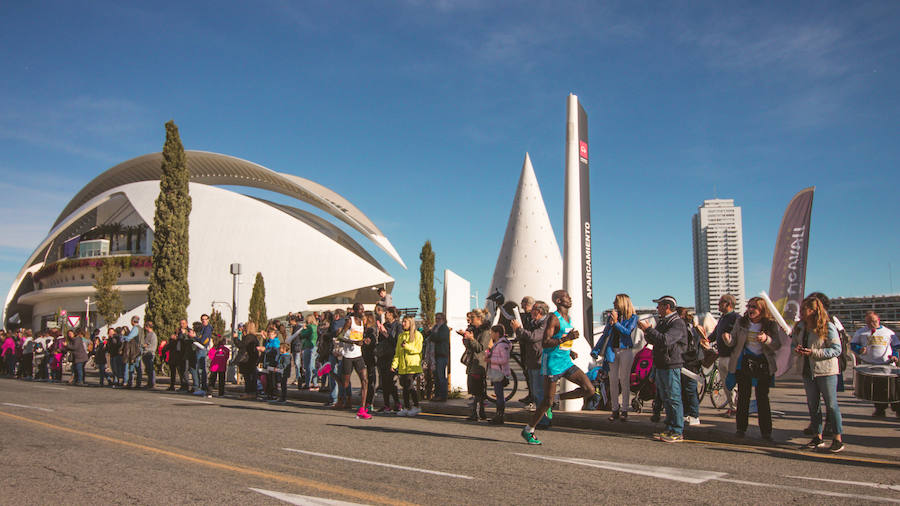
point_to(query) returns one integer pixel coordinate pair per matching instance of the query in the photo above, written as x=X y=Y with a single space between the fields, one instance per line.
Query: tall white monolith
x=577 y=271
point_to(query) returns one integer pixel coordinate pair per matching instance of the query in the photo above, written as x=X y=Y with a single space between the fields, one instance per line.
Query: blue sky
x=421 y=113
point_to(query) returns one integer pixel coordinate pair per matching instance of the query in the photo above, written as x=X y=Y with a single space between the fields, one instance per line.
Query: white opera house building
x=307 y=262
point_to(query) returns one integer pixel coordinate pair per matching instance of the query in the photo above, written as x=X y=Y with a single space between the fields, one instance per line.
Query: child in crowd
x=283 y=370
x=98 y=351
x=56 y=360
x=218 y=360
x=270 y=363
x=498 y=358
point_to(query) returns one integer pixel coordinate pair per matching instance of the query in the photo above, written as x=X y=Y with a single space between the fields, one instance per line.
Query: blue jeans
x=146 y=363
x=440 y=377
x=537 y=392
x=298 y=364
x=117 y=365
x=498 y=394
x=689 y=397
x=101 y=369
x=129 y=371
x=823 y=387
x=309 y=366
x=199 y=372
x=78 y=371
x=668 y=383
x=335 y=386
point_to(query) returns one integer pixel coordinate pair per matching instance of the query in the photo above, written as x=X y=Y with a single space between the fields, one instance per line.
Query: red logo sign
x=583 y=150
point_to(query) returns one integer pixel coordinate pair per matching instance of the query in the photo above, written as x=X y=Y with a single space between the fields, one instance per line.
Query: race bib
x=355 y=335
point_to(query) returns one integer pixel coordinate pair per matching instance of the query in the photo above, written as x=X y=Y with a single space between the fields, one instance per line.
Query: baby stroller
x=642 y=386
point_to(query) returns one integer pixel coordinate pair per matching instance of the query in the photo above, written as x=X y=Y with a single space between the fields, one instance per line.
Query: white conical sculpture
x=530 y=262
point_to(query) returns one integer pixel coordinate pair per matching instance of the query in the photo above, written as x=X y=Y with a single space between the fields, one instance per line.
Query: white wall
x=456 y=305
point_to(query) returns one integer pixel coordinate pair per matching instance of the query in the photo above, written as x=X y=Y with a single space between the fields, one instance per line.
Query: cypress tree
x=109 y=300
x=258 y=302
x=168 y=295
x=426 y=284
x=217 y=322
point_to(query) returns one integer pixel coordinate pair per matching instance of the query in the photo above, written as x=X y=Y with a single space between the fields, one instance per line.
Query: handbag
x=242 y=357
x=466 y=358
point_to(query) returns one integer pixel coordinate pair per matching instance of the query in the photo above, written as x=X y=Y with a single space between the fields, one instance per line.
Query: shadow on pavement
x=379 y=428
x=794 y=454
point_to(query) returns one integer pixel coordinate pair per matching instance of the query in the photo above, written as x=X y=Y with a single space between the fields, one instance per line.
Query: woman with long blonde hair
x=407 y=364
x=621 y=342
x=816 y=341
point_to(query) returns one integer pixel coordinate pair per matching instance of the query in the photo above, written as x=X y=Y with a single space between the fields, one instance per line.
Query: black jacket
x=441 y=339
x=669 y=340
x=724 y=326
x=530 y=343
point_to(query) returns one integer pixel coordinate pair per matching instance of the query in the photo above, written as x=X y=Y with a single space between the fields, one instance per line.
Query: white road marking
x=304 y=500
x=847 y=482
x=382 y=464
x=52 y=388
x=693 y=476
x=24 y=406
x=697 y=477
x=811 y=491
x=185 y=399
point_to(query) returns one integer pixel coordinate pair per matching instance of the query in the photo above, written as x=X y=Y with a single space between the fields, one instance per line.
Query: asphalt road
x=80 y=444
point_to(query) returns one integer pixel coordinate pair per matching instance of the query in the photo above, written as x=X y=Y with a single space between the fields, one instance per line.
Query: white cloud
x=69 y=125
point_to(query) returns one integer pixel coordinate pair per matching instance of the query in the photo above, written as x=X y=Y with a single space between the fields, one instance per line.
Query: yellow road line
x=267 y=475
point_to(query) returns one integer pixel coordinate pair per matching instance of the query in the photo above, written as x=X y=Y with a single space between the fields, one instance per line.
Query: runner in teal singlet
x=556 y=363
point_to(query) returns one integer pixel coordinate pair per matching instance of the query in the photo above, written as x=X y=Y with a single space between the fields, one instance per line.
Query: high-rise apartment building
x=718 y=255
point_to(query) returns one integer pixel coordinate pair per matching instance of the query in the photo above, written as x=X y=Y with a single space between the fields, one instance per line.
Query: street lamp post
x=235 y=272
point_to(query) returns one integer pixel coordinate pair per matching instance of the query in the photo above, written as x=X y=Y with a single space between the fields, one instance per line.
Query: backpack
x=270 y=358
x=691 y=355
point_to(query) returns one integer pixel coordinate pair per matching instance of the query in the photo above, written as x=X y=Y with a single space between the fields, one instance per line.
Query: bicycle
x=714 y=384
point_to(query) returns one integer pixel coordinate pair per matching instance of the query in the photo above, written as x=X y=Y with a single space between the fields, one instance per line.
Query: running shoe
x=415 y=410
x=529 y=437
x=836 y=446
x=815 y=443
x=362 y=414
x=403 y=412
x=672 y=437
x=658 y=435
x=692 y=420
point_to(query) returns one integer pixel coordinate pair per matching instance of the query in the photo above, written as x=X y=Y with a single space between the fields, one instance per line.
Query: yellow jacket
x=408 y=355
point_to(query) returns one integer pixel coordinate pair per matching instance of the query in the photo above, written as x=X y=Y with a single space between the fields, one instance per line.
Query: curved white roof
x=218 y=169
x=318 y=261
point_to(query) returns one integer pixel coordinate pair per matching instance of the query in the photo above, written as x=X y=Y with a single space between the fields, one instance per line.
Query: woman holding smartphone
x=817 y=342
x=755 y=338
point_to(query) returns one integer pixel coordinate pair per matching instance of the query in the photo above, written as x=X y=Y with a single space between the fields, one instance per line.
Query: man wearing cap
x=131 y=350
x=669 y=340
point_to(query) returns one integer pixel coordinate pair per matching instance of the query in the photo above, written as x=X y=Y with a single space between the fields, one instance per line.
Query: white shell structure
x=529 y=262
x=307 y=262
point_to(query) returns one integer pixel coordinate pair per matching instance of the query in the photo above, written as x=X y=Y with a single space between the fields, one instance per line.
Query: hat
x=668 y=299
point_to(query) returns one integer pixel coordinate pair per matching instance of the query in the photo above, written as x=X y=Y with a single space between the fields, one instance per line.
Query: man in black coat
x=669 y=340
